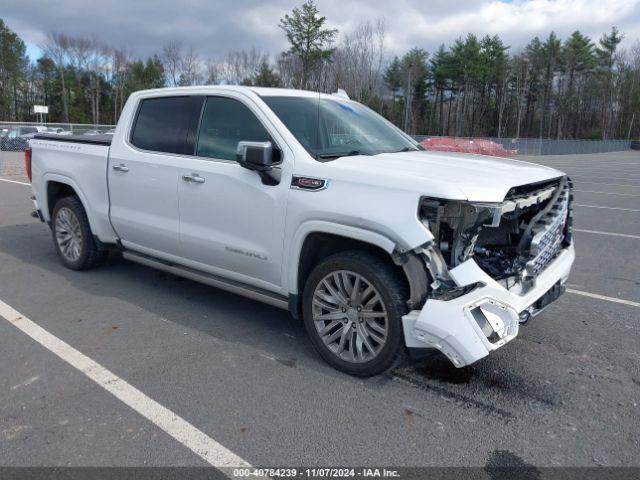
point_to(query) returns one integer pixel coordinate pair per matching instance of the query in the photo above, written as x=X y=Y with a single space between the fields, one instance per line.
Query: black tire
x=91 y=252
x=391 y=288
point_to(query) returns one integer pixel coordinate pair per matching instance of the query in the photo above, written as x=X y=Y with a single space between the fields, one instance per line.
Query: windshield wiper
x=343 y=154
x=406 y=149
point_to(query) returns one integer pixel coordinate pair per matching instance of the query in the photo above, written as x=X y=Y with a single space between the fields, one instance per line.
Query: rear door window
x=167 y=124
x=225 y=122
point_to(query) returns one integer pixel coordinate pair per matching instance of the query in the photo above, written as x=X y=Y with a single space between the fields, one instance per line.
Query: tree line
x=552 y=88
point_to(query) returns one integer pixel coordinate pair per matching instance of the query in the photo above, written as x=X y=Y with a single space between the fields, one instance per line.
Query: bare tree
x=120 y=59
x=212 y=72
x=98 y=63
x=190 y=68
x=239 y=66
x=57 y=47
x=172 y=61
x=288 y=67
x=80 y=50
x=358 y=61
x=80 y=54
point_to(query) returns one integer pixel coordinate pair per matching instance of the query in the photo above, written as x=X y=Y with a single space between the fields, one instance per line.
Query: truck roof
x=261 y=91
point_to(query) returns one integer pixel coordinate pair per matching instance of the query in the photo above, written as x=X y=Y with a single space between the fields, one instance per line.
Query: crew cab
x=314 y=203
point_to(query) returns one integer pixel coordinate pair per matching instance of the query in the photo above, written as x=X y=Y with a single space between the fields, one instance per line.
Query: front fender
x=292 y=260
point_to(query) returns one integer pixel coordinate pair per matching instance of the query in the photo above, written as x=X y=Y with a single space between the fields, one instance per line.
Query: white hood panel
x=480 y=178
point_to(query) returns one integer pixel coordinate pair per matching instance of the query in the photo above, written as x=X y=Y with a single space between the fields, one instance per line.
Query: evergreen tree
x=265 y=77
x=13 y=69
x=578 y=60
x=310 y=41
x=393 y=75
x=551 y=52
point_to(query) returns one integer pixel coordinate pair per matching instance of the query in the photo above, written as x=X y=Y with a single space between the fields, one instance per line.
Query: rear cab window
x=167 y=124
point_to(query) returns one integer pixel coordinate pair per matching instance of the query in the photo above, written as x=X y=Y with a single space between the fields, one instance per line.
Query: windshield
x=330 y=128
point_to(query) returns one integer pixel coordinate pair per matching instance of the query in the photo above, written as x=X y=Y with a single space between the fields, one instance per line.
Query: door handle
x=121 y=167
x=194 y=178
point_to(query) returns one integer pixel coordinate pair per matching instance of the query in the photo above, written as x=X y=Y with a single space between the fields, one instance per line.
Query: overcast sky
x=214 y=27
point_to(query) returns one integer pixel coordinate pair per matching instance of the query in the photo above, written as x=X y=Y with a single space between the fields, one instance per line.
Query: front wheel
x=353 y=304
x=72 y=237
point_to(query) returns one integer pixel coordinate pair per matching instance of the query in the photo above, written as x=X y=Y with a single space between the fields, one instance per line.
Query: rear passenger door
x=231 y=224
x=144 y=170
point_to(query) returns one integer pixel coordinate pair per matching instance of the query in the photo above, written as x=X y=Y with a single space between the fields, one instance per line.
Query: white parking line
x=194 y=439
x=609 y=184
x=577 y=177
x=587 y=166
x=601 y=166
x=606 y=208
x=14 y=181
x=612 y=234
x=604 y=173
x=604 y=297
x=615 y=167
x=610 y=193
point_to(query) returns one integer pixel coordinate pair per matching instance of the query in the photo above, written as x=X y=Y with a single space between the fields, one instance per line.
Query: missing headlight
x=455 y=226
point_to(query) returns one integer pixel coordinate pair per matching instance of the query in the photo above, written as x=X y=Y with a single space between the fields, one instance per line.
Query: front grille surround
x=549 y=232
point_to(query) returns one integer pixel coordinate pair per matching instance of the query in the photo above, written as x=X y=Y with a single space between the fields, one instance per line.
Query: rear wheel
x=72 y=237
x=352 y=304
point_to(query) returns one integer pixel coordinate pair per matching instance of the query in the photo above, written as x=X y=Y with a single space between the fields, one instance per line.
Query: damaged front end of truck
x=490 y=268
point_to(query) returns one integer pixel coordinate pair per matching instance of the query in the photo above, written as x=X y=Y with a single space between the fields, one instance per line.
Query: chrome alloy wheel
x=68 y=234
x=349 y=316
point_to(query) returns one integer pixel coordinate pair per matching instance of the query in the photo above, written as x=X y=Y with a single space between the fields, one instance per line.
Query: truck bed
x=88 y=139
x=80 y=162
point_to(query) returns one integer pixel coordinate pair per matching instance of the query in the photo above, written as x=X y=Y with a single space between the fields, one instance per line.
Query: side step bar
x=208 y=279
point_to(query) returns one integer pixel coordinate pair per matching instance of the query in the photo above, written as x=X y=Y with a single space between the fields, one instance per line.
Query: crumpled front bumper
x=467 y=328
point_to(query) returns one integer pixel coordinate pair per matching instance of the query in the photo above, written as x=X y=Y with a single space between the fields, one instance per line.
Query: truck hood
x=477 y=178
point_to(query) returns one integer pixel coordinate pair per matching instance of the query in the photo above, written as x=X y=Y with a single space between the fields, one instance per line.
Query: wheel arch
x=321 y=239
x=55 y=191
x=94 y=200
x=57 y=187
x=314 y=229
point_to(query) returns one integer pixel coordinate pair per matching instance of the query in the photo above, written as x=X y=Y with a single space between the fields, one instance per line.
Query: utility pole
x=407 y=101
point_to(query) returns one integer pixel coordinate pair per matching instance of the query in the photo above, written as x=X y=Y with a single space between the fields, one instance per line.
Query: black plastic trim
x=295 y=305
x=87 y=139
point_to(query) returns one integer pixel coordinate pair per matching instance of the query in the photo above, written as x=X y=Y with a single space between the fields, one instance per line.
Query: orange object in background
x=467 y=145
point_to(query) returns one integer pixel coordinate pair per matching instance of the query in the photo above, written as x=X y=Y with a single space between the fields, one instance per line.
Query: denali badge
x=257 y=255
x=308 y=183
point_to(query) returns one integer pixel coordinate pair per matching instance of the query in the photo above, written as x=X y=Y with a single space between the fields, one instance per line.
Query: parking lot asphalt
x=565 y=392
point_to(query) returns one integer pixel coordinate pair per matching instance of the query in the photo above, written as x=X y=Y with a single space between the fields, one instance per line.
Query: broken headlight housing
x=455 y=226
x=495 y=235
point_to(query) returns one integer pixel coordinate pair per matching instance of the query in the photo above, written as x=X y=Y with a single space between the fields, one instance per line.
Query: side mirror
x=256 y=156
x=259 y=156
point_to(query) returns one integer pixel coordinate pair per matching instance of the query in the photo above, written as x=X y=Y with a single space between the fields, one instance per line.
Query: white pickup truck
x=314 y=203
